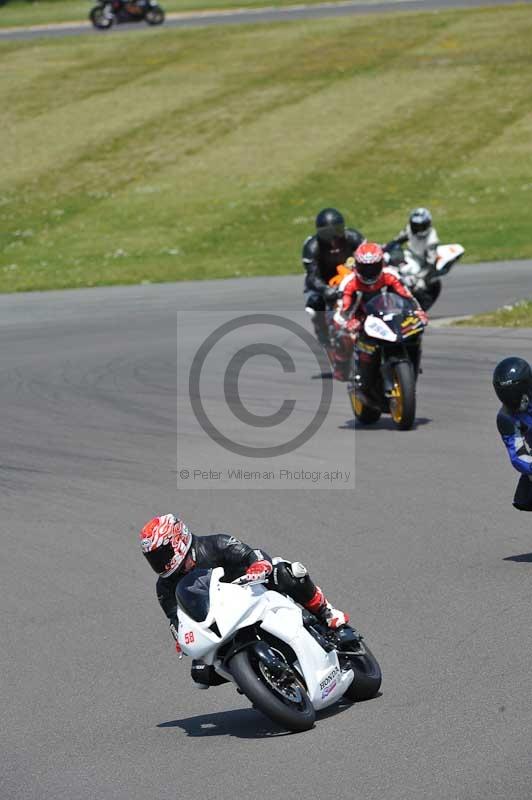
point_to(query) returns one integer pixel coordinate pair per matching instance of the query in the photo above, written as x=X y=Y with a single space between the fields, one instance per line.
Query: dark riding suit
x=320 y=263
x=222 y=550
x=516 y=432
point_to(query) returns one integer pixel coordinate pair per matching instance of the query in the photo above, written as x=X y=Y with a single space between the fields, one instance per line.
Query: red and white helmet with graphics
x=165 y=541
x=369 y=262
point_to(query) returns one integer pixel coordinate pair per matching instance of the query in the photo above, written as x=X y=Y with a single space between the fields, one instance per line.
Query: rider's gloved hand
x=258 y=571
x=423 y=316
x=174 y=625
x=330 y=293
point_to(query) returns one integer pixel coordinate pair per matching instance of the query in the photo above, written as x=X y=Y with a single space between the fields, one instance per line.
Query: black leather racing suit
x=222 y=550
x=320 y=263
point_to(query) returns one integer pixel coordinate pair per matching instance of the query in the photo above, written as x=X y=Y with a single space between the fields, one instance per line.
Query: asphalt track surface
x=426 y=553
x=258 y=15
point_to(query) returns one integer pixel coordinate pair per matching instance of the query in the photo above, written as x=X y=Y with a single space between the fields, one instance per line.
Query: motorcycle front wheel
x=155 y=15
x=100 y=18
x=283 y=700
x=403 y=396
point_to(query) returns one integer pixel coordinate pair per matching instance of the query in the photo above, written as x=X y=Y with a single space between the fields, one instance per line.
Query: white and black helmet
x=420 y=222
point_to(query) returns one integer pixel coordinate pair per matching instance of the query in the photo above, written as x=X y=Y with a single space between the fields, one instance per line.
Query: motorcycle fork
x=387 y=371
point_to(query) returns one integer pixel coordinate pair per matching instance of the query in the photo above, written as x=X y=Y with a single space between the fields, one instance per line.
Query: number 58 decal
x=189 y=637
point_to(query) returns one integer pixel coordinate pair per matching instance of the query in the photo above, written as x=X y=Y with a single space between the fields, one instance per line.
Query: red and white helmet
x=369 y=262
x=165 y=541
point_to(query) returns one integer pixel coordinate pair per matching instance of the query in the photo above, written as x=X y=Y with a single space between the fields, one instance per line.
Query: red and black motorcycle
x=391 y=336
x=111 y=12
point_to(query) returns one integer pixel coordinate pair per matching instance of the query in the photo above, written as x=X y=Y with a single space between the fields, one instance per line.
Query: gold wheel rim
x=396 y=402
x=356 y=404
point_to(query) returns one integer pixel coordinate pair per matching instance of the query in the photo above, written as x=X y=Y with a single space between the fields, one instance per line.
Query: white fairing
x=447 y=255
x=233 y=607
x=377 y=329
x=417 y=273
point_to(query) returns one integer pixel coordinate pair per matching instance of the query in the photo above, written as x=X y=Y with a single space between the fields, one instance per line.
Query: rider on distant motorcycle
x=172 y=551
x=331 y=246
x=369 y=278
x=512 y=381
x=420 y=237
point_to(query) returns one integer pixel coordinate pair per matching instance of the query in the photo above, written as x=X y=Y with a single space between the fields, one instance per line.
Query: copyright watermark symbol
x=232 y=392
x=254 y=404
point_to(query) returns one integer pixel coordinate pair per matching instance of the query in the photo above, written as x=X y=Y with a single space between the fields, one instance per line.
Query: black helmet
x=512 y=381
x=330 y=225
x=420 y=222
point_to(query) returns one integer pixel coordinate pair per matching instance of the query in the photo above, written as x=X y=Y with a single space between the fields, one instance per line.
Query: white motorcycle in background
x=280 y=656
x=424 y=280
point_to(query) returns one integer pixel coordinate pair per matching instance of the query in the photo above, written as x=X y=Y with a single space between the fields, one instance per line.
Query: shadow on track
x=246 y=723
x=384 y=424
x=523 y=557
x=242 y=723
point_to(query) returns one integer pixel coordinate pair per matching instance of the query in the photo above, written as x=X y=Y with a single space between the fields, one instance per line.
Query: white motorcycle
x=279 y=655
x=424 y=280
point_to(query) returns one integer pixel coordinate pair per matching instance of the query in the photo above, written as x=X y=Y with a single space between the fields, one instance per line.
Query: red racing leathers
x=350 y=318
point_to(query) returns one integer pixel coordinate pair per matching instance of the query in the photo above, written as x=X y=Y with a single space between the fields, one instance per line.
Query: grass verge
x=518 y=315
x=168 y=155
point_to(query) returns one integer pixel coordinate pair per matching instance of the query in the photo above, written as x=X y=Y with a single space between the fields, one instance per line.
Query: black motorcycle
x=112 y=12
x=394 y=330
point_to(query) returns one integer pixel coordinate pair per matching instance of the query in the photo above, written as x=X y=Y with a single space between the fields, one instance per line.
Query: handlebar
x=245 y=580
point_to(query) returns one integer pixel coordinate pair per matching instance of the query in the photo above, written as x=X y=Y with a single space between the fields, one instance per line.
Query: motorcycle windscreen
x=388 y=303
x=192 y=593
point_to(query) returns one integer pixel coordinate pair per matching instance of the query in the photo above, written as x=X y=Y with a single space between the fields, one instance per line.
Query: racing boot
x=343 y=353
x=341 y=371
x=322 y=609
x=204 y=675
x=342 y=363
x=320 y=325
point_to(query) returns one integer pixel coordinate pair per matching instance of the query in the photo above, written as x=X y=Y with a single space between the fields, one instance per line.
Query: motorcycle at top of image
x=422 y=278
x=287 y=663
x=110 y=12
x=390 y=341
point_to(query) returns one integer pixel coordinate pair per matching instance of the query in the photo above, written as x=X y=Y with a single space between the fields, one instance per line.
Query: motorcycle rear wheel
x=365 y=414
x=155 y=16
x=100 y=19
x=403 y=398
x=294 y=716
x=368 y=676
x=427 y=297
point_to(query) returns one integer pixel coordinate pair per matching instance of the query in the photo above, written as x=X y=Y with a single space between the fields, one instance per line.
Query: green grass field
x=46 y=12
x=518 y=315
x=168 y=155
